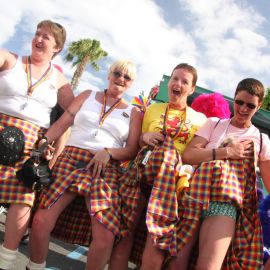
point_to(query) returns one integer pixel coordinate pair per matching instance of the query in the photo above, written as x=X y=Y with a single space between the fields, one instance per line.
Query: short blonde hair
x=124 y=65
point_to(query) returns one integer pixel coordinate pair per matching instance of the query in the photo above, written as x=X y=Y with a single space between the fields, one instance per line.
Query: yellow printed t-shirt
x=154 y=119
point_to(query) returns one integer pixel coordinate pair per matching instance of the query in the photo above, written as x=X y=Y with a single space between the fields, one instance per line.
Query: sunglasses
x=118 y=74
x=241 y=103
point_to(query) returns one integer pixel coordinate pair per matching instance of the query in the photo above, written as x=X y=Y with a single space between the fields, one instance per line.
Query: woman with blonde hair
x=84 y=199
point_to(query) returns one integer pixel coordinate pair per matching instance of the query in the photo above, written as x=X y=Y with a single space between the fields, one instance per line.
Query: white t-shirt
x=217 y=132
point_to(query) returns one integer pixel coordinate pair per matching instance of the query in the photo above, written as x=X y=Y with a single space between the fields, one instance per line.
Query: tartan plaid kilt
x=159 y=219
x=11 y=190
x=74 y=223
x=231 y=181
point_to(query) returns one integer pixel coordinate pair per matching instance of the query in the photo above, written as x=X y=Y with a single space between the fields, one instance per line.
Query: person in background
x=222 y=194
x=30 y=86
x=105 y=130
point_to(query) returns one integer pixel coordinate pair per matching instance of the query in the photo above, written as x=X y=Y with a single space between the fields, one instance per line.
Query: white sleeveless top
x=14 y=100
x=86 y=133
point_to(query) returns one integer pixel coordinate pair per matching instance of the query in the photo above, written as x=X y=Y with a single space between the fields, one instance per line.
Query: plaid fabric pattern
x=11 y=190
x=161 y=172
x=74 y=224
x=226 y=181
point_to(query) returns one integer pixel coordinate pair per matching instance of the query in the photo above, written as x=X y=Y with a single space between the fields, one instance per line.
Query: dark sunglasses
x=241 y=103
x=118 y=74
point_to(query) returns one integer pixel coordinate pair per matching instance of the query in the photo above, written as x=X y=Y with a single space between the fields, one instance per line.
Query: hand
x=41 y=142
x=240 y=149
x=49 y=151
x=152 y=138
x=98 y=162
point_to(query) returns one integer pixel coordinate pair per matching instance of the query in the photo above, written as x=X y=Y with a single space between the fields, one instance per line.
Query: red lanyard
x=44 y=77
x=182 y=122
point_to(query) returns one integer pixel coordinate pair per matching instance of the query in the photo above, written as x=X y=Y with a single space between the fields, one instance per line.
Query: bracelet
x=108 y=152
x=214 y=154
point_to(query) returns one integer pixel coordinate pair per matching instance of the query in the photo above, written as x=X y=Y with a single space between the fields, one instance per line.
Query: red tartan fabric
x=160 y=172
x=226 y=181
x=11 y=190
x=74 y=225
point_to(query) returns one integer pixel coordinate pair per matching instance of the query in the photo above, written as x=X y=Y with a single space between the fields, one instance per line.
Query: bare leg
x=121 y=252
x=43 y=223
x=215 y=237
x=152 y=256
x=16 y=225
x=101 y=246
x=182 y=259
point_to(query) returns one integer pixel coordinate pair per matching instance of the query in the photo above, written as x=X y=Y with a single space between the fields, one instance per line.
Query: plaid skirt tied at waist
x=161 y=173
x=232 y=181
x=101 y=194
x=11 y=189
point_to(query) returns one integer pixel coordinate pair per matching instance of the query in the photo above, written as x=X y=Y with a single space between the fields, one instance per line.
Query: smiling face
x=44 y=44
x=121 y=77
x=180 y=86
x=245 y=106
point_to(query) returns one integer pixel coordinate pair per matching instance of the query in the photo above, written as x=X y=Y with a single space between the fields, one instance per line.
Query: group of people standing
x=149 y=213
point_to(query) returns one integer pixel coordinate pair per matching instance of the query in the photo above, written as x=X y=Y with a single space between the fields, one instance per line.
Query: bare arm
x=66 y=120
x=59 y=146
x=195 y=153
x=7 y=59
x=65 y=94
x=265 y=173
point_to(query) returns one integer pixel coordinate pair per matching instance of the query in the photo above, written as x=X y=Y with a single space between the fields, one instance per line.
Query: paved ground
x=61 y=256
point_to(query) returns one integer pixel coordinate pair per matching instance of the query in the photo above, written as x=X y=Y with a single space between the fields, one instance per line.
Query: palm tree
x=81 y=53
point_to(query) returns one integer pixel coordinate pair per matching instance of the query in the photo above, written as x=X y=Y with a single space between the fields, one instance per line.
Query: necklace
x=105 y=113
x=31 y=85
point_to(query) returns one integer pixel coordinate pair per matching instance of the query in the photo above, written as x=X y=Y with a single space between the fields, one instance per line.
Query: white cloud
x=231 y=44
x=223 y=38
x=127 y=29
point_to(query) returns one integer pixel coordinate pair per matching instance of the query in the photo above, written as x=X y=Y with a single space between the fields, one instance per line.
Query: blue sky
x=226 y=40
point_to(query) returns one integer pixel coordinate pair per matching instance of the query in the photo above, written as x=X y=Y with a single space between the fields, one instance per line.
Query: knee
x=42 y=222
x=123 y=248
x=103 y=241
x=153 y=261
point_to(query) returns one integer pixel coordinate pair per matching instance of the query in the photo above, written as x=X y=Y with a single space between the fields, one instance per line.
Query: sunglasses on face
x=241 y=103
x=118 y=74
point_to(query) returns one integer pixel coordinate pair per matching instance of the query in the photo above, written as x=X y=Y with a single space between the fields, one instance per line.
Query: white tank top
x=87 y=134
x=14 y=100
